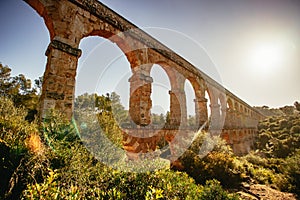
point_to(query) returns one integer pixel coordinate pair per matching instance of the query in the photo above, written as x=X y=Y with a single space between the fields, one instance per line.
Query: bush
x=268 y=171
x=54 y=164
x=21 y=150
x=295 y=129
x=80 y=176
x=282 y=138
x=292 y=170
x=213 y=191
x=219 y=164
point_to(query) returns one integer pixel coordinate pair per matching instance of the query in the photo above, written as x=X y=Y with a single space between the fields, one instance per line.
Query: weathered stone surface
x=64 y=47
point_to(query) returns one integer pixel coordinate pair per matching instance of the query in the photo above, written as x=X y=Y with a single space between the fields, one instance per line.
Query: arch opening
x=190 y=103
x=103 y=69
x=207 y=96
x=160 y=95
x=28 y=22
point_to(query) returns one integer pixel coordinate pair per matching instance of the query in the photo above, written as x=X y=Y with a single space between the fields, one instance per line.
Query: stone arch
x=111 y=76
x=246 y=111
x=230 y=114
x=178 y=108
x=140 y=103
x=230 y=103
x=135 y=52
x=241 y=109
x=216 y=121
x=114 y=36
x=201 y=99
x=68 y=21
x=237 y=107
x=42 y=11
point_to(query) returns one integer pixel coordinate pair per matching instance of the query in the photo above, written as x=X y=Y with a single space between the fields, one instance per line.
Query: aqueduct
x=69 y=21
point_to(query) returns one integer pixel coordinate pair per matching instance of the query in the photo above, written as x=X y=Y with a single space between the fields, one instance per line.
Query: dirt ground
x=263 y=192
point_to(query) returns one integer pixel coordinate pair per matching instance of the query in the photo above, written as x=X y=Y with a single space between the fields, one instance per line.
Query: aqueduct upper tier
x=69 y=21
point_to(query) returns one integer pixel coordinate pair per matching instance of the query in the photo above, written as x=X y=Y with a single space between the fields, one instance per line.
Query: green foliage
x=292 y=170
x=18 y=89
x=288 y=110
x=268 y=171
x=218 y=164
x=106 y=110
x=49 y=161
x=279 y=136
x=55 y=127
x=14 y=128
x=213 y=191
x=6 y=85
x=153 y=193
x=158 y=120
x=295 y=129
x=278 y=144
x=18 y=165
x=80 y=176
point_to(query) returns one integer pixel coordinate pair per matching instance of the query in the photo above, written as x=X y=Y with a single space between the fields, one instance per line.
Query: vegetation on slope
x=47 y=160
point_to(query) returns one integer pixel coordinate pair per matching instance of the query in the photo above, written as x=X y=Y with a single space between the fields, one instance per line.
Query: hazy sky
x=254 y=45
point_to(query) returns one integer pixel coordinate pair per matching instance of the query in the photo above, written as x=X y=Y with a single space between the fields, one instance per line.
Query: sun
x=267 y=56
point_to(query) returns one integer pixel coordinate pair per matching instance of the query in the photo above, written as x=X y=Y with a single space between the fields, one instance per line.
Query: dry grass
x=35 y=144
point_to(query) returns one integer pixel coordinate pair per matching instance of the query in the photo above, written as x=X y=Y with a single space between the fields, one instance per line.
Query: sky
x=252 y=47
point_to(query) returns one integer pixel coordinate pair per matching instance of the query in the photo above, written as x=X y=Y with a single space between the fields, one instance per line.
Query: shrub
x=80 y=176
x=268 y=171
x=21 y=158
x=219 y=164
x=295 y=129
x=54 y=164
x=213 y=191
x=292 y=170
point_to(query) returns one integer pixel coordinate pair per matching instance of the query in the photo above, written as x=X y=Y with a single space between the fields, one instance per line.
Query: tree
x=107 y=109
x=19 y=90
x=265 y=107
x=85 y=102
x=5 y=81
x=288 y=110
x=191 y=120
x=38 y=84
x=168 y=117
x=297 y=105
x=119 y=112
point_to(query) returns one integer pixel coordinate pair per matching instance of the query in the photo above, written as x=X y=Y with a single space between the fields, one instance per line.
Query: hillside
x=49 y=159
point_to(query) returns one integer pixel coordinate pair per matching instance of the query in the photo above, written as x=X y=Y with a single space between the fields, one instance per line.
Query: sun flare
x=267 y=56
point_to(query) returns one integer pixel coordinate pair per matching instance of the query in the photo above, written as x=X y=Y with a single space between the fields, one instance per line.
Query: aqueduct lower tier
x=69 y=21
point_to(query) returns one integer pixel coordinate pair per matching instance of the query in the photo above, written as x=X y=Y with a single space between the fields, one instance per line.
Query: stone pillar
x=140 y=98
x=59 y=78
x=178 y=110
x=237 y=119
x=243 y=119
x=201 y=111
x=223 y=115
x=215 y=117
x=229 y=119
